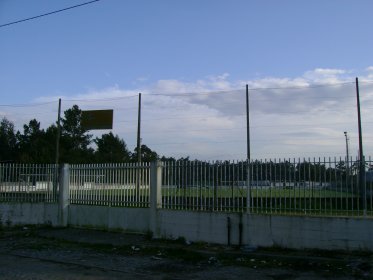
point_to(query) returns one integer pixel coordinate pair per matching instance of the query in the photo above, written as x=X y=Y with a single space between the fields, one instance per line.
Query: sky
x=191 y=60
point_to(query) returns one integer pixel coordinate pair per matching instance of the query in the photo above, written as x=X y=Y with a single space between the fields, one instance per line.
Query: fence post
x=155 y=194
x=63 y=195
x=248 y=188
x=363 y=186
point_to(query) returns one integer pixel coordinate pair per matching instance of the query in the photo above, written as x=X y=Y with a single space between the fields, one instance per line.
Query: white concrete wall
x=129 y=219
x=331 y=233
x=197 y=226
x=29 y=213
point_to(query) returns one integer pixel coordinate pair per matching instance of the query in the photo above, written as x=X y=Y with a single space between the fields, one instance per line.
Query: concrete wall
x=28 y=213
x=129 y=219
x=197 y=226
x=331 y=233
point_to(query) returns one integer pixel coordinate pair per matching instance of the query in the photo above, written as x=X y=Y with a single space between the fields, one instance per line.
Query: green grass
x=274 y=193
x=219 y=192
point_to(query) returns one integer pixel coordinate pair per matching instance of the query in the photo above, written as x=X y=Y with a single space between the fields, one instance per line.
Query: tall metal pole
x=248 y=183
x=247 y=122
x=139 y=131
x=58 y=132
x=359 y=119
x=56 y=177
x=361 y=153
x=138 y=148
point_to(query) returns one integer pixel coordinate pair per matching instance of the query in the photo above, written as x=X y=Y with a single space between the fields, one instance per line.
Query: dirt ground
x=68 y=253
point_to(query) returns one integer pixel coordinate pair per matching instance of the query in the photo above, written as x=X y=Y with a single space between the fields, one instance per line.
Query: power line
x=210 y=92
x=222 y=92
x=47 y=14
x=250 y=89
x=282 y=141
x=27 y=105
x=101 y=99
x=205 y=117
x=121 y=108
x=303 y=87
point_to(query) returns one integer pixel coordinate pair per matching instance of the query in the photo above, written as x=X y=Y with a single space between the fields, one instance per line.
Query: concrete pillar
x=155 y=195
x=63 y=195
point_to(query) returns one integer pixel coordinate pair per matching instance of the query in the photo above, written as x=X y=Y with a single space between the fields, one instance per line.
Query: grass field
x=266 y=200
x=242 y=192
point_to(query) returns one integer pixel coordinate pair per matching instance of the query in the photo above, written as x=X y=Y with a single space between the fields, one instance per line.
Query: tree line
x=37 y=145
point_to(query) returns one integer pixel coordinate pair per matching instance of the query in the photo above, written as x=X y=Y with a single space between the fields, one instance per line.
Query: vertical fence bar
x=177 y=178
x=172 y=184
x=314 y=183
x=165 y=185
x=133 y=183
x=122 y=185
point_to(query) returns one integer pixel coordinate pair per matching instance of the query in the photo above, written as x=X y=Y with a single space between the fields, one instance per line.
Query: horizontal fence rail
x=28 y=182
x=303 y=186
x=122 y=184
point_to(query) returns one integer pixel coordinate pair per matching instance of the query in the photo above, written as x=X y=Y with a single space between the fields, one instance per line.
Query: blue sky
x=116 y=48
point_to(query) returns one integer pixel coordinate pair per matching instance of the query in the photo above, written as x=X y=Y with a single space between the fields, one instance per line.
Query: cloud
x=326 y=76
x=302 y=116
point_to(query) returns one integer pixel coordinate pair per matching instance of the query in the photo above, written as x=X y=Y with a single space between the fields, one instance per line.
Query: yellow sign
x=97 y=119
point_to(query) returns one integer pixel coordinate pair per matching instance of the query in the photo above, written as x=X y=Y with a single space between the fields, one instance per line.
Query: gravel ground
x=47 y=253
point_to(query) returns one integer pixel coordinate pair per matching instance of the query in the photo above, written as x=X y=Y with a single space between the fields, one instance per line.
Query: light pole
x=347 y=155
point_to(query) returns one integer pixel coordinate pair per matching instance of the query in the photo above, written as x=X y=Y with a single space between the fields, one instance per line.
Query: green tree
x=308 y=171
x=34 y=146
x=30 y=142
x=111 y=148
x=75 y=141
x=8 y=141
x=147 y=155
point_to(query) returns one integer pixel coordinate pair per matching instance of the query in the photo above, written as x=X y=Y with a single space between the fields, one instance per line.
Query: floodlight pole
x=139 y=131
x=138 y=148
x=58 y=132
x=57 y=149
x=248 y=183
x=247 y=122
x=361 y=153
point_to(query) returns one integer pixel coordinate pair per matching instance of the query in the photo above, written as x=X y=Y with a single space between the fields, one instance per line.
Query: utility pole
x=138 y=148
x=57 y=149
x=248 y=122
x=248 y=183
x=139 y=131
x=359 y=120
x=58 y=132
x=361 y=153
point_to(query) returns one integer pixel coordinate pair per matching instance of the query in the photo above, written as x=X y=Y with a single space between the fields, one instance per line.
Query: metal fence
x=287 y=186
x=198 y=185
x=122 y=184
x=303 y=186
x=28 y=182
